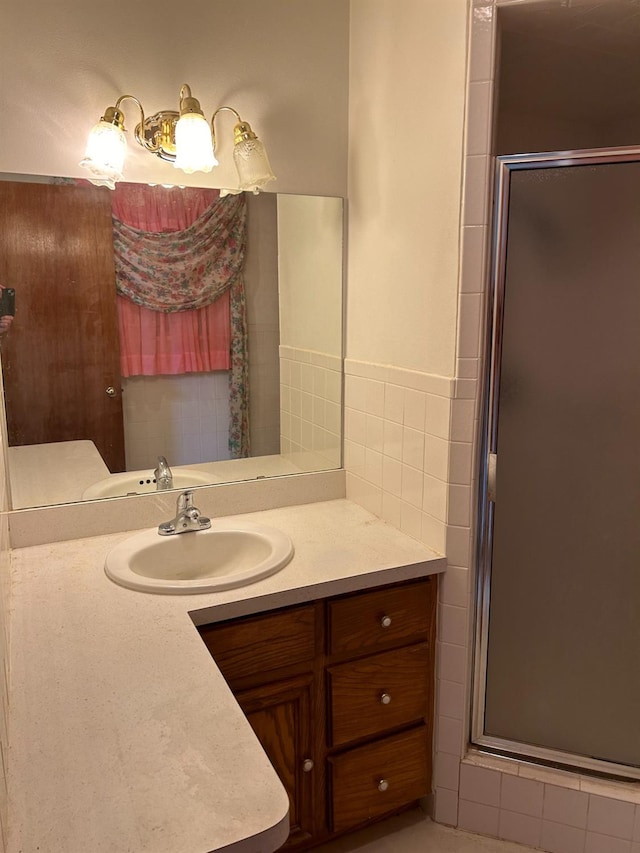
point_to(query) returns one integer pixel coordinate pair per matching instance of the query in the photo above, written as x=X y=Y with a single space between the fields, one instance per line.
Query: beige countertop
x=124 y=736
x=55 y=473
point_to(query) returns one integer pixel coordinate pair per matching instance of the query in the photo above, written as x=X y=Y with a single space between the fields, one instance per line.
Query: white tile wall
x=476 y=817
x=513 y=826
x=522 y=795
x=564 y=806
x=399 y=420
x=562 y=838
x=311 y=414
x=185 y=418
x=543 y=814
x=479 y=785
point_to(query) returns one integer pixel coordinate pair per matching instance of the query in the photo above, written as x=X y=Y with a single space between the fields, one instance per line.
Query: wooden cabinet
x=381 y=618
x=263 y=648
x=377 y=693
x=340 y=695
x=271 y=662
x=376 y=779
x=281 y=716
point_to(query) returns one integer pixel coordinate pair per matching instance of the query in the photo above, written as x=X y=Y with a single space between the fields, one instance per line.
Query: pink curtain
x=179 y=274
x=153 y=342
x=162 y=209
x=185 y=342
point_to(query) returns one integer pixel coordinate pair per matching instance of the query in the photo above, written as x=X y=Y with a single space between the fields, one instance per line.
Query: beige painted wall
x=406 y=114
x=282 y=64
x=261 y=290
x=310 y=273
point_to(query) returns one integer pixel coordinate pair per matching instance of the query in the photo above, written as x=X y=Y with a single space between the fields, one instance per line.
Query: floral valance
x=181 y=270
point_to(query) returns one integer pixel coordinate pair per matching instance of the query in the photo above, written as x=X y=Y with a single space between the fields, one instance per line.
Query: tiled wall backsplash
x=408 y=452
x=185 y=418
x=310 y=407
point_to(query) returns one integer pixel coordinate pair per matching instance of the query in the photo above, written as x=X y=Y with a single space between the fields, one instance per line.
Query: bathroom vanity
x=126 y=733
x=340 y=695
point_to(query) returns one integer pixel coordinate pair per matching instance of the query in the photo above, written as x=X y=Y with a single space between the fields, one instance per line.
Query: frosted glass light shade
x=252 y=164
x=194 y=146
x=104 y=155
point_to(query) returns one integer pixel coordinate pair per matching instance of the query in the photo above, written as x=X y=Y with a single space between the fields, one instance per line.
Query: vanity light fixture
x=183 y=138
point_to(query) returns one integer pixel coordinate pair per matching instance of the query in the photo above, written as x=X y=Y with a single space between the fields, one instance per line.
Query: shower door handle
x=492 y=464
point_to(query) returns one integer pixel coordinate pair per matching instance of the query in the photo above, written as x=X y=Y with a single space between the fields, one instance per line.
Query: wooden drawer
x=250 y=651
x=374 y=620
x=377 y=693
x=358 y=777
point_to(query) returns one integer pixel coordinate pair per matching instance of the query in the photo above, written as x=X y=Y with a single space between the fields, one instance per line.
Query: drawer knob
x=386 y=621
x=385 y=699
x=383 y=785
x=307 y=765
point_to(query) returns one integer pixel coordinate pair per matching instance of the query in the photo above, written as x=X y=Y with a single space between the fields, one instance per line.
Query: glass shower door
x=559 y=651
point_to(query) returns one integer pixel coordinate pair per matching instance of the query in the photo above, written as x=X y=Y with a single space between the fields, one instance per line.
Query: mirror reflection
x=166 y=337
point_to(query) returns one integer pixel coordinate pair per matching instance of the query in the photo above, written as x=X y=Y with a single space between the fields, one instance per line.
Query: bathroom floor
x=414 y=832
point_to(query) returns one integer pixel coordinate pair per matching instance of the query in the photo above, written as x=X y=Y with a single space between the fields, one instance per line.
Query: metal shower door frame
x=505 y=165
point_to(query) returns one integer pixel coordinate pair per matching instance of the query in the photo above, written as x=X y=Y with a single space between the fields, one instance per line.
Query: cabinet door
x=281 y=715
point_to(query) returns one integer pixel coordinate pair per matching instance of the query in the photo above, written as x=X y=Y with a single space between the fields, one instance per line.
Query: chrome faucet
x=163 y=475
x=188 y=518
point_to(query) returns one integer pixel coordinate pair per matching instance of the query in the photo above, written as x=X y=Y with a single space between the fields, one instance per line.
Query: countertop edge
x=317 y=592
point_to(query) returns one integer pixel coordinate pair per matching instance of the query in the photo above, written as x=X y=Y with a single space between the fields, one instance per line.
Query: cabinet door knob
x=385 y=699
x=386 y=621
x=110 y=391
x=307 y=765
x=383 y=785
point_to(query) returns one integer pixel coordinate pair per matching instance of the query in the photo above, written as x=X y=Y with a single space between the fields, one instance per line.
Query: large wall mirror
x=80 y=427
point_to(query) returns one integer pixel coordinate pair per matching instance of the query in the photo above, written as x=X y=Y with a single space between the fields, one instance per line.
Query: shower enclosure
x=557 y=674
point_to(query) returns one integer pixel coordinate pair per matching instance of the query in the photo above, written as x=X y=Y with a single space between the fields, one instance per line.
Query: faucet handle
x=163 y=474
x=185 y=500
x=187 y=518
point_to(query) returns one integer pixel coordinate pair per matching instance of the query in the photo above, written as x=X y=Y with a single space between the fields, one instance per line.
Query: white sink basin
x=222 y=557
x=143 y=482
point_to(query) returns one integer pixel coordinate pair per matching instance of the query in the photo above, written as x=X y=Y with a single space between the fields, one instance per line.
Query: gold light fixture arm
x=189 y=104
x=116 y=116
x=239 y=123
